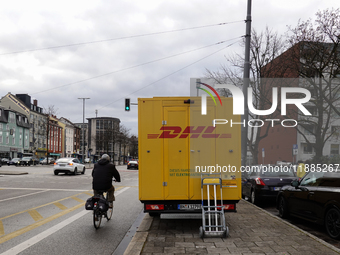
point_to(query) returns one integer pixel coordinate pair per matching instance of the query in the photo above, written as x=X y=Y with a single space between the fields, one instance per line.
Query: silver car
x=68 y=165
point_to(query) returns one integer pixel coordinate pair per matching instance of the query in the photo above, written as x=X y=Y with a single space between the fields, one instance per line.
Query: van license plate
x=189 y=206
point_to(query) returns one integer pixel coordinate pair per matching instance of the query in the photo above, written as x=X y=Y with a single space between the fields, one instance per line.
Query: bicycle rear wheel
x=109 y=212
x=97 y=218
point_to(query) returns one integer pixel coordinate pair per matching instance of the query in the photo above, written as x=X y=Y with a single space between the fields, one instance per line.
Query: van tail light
x=55 y=164
x=259 y=182
x=156 y=207
x=227 y=207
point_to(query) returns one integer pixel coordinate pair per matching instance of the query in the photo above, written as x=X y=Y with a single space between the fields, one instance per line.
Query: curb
x=137 y=243
x=12 y=173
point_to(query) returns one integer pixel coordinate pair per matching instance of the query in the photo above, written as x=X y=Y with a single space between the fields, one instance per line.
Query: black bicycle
x=101 y=208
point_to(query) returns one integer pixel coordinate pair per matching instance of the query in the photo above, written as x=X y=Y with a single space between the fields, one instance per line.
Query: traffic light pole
x=83 y=128
x=246 y=75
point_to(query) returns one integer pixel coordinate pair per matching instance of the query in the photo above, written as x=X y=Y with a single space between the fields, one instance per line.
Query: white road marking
x=23 y=195
x=35 y=239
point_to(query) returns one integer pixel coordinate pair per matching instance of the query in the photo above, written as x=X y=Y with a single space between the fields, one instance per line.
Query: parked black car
x=14 y=162
x=316 y=198
x=27 y=161
x=4 y=161
x=264 y=182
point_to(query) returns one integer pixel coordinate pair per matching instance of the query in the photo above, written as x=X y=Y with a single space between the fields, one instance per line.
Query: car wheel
x=75 y=171
x=283 y=209
x=83 y=172
x=55 y=173
x=253 y=198
x=332 y=222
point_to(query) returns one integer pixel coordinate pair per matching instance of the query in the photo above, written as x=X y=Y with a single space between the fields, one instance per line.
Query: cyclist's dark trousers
x=111 y=196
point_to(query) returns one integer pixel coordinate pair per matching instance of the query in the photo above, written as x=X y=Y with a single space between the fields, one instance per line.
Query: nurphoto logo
x=238 y=104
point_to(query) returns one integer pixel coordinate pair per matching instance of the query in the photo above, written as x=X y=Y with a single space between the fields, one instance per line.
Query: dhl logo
x=176 y=132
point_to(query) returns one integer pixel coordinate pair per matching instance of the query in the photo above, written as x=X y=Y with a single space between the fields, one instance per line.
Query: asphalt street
x=44 y=214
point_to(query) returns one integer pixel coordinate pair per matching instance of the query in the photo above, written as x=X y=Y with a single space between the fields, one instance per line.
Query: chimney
x=35 y=102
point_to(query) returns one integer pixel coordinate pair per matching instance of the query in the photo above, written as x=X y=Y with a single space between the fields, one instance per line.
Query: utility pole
x=246 y=76
x=83 y=129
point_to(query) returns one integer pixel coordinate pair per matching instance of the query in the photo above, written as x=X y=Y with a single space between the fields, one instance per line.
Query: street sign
x=295 y=149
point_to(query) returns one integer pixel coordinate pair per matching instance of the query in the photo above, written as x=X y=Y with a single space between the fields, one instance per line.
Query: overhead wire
x=119 y=38
x=172 y=73
x=135 y=66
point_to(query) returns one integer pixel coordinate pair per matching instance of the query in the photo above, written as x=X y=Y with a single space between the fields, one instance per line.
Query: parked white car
x=68 y=165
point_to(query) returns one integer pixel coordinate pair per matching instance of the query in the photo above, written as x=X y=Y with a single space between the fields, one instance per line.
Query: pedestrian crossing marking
x=60 y=206
x=2 y=231
x=35 y=215
x=78 y=199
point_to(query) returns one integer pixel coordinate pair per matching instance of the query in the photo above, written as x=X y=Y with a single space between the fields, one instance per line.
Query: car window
x=330 y=179
x=312 y=179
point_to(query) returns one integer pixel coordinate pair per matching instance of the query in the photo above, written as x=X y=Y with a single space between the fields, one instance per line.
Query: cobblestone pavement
x=251 y=231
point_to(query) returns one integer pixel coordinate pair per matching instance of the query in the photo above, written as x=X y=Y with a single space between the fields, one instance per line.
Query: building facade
x=55 y=138
x=37 y=119
x=14 y=134
x=301 y=66
x=103 y=137
x=69 y=138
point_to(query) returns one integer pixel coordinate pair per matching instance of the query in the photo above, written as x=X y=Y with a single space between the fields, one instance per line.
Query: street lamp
x=83 y=129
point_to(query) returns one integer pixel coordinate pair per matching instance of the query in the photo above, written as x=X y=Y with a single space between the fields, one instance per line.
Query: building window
x=1 y=126
x=335 y=130
x=308 y=129
x=1 y=137
x=11 y=117
x=334 y=149
x=307 y=148
x=7 y=139
x=313 y=110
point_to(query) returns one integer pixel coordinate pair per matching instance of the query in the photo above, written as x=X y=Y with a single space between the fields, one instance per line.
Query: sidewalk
x=251 y=231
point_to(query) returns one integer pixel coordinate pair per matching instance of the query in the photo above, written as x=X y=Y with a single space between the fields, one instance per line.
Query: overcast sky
x=114 y=45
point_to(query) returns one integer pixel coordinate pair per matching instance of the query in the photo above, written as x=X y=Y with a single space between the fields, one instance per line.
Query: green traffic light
x=127 y=104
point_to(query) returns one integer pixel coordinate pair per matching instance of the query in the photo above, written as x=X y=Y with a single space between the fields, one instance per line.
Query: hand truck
x=213 y=221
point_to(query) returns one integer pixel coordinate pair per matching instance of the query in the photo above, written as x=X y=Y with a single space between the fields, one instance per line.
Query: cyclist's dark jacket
x=102 y=174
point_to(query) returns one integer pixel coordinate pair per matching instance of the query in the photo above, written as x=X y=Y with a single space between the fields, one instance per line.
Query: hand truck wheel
x=201 y=232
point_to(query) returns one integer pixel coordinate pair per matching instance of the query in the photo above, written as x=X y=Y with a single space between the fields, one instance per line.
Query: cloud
x=103 y=71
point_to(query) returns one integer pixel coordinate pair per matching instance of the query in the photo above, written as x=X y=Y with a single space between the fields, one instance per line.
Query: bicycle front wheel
x=109 y=211
x=97 y=218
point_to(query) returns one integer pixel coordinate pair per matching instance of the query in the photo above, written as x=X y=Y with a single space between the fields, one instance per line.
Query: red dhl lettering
x=189 y=131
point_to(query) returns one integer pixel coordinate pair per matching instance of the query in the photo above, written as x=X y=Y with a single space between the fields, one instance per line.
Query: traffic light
x=127 y=104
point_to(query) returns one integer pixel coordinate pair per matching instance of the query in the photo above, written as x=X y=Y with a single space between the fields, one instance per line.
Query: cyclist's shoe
x=110 y=204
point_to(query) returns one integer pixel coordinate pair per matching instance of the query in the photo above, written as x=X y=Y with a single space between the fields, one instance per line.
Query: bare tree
x=264 y=48
x=133 y=148
x=314 y=55
x=124 y=138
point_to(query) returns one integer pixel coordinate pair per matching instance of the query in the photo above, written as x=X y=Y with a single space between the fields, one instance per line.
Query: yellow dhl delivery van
x=177 y=144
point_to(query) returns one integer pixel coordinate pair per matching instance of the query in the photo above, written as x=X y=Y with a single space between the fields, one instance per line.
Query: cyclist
x=102 y=173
